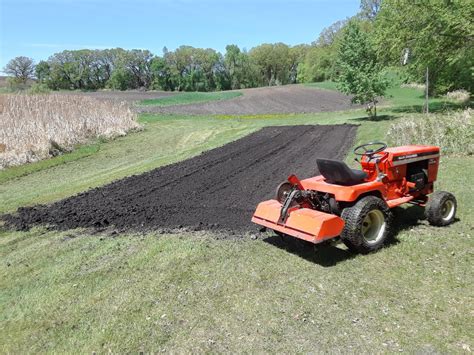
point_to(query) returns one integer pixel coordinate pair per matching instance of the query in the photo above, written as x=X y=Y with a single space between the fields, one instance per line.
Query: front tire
x=441 y=209
x=367 y=225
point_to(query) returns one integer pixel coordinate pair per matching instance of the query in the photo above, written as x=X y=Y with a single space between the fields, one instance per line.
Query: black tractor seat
x=337 y=172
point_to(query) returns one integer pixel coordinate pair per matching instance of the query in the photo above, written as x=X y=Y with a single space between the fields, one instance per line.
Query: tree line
x=409 y=36
x=184 y=69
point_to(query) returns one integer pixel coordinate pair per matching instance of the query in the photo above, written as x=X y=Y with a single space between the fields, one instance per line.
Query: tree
x=296 y=56
x=369 y=9
x=240 y=70
x=137 y=62
x=67 y=71
x=360 y=74
x=438 y=34
x=95 y=69
x=190 y=69
x=120 y=79
x=273 y=62
x=329 y=35
x=161 y=74
x=21 y=68
x=317 y=65
x=318 y=62
x=43 y=71
x=233 y=65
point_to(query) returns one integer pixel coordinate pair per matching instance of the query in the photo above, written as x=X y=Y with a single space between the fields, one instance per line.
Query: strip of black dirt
x=218 y=189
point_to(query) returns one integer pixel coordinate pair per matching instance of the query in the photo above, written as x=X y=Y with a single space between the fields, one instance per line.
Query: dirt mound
x=218 y=189
x=278 y=99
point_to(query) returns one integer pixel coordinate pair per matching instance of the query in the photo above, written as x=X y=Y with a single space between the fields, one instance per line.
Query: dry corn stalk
x=30 y=123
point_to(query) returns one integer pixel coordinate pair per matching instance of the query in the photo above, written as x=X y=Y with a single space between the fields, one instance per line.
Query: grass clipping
x=452 y=131
x=35 y=127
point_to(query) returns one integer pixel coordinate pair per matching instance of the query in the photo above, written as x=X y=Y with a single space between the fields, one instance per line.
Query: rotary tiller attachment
x=293 y=214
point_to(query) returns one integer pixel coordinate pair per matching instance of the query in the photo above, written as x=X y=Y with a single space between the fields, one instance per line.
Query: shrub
x=452 y=131
x=38 y=88
x=14 y=84
x=34 y=127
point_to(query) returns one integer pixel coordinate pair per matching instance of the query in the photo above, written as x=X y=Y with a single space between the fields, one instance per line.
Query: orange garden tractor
x=356 y=204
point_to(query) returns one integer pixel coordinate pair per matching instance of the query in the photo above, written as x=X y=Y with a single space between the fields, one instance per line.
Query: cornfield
x=34 y=127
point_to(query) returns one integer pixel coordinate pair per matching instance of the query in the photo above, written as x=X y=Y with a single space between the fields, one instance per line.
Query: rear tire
x=367 y=225
x=441 y=208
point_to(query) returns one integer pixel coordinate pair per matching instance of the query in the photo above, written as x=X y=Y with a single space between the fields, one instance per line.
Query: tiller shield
x=296 y=217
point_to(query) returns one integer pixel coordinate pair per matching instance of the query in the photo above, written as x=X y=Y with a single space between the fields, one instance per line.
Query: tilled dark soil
x=267 y=100
x=129 y=96
x=218 y=189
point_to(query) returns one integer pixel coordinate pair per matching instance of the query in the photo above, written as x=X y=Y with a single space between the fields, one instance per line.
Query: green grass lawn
x=75 y=291
x=191 y=98
x=402 y=100
x=26 y=169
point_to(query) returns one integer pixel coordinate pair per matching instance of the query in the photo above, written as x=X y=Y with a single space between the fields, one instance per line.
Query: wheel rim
x=283 y=191
x=447 y=210
x=373 y=226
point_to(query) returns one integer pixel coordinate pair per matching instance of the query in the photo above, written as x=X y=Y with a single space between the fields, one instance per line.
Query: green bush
x=452 y=131
x=119 y=80
x=15 y=84
x=38 y=88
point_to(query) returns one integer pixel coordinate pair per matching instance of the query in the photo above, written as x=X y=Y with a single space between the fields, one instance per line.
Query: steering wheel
x=370 y=149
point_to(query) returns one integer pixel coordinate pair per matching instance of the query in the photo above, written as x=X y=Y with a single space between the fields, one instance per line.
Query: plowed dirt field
x=217 y=190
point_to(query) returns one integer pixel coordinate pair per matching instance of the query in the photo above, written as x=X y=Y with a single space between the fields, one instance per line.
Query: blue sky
x=39 y=28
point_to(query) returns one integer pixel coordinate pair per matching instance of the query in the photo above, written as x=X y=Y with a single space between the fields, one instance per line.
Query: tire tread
x=433 y=208
x=353 y=217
